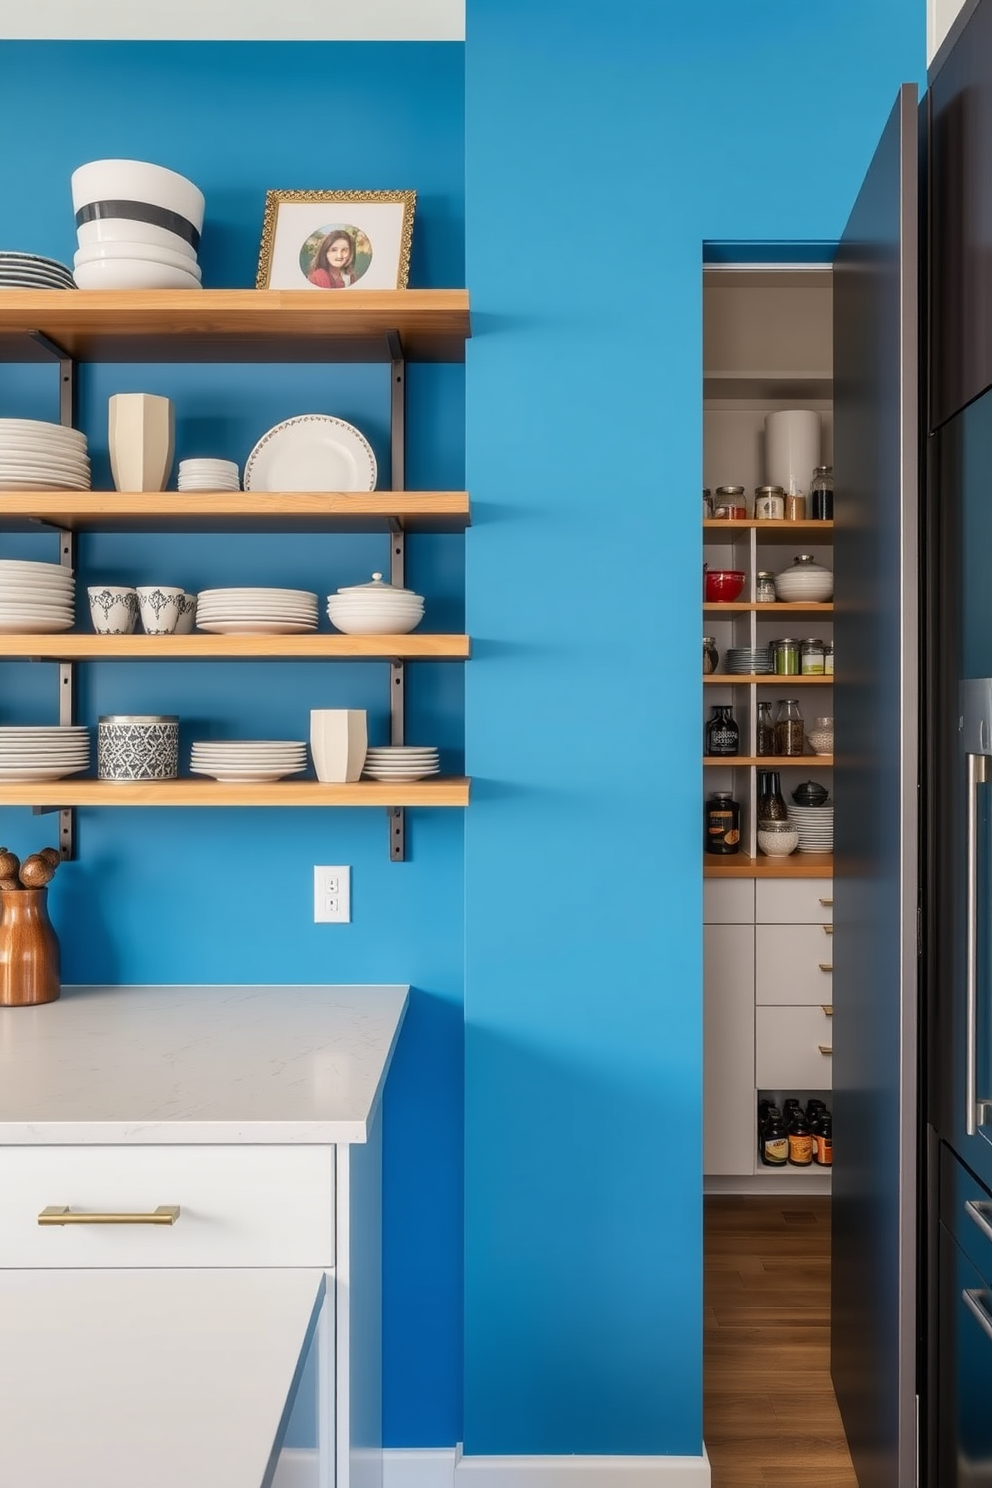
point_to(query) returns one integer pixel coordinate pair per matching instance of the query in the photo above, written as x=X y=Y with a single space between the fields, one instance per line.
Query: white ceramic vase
x=338 y=742
x=142 y=434
x=792 y=448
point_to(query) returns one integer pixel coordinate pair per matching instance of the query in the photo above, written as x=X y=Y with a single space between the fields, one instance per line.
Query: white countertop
x=151 y=1064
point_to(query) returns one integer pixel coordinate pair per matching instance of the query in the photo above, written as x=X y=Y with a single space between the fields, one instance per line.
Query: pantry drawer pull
x=165 y=1214
x=826 y=1048
x=826 y=965
x=827 y=929
x=827 y=903
x=828 y=1008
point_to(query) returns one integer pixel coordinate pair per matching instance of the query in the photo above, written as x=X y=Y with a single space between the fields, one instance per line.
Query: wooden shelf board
x=769 y=532
x=243 y=325
x=780 y=607
x=771 y=761
x=764 y=679
x=240 y=511
x=748 y=384
x=451 y=791
x=76 y=647
x=798 y=865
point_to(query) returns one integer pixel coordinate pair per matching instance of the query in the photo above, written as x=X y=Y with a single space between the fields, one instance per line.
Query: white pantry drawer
x=239 y=1206
x=788 y=1044
x=794 y=901
x=793 y=964
x=728 y=901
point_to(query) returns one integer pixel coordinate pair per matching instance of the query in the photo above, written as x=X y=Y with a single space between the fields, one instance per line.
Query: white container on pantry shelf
x=792 y=449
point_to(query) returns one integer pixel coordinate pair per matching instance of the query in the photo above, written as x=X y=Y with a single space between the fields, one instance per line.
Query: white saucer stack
x=399 y=762
x=43 y=753
x=249 y=761
x=256 y=611
x=32 y=271
x=38 y=456
x=35 y=598
x=209 y=475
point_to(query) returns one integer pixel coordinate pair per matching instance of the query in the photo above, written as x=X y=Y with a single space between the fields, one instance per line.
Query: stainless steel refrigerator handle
x=981 y=1313
x=976 y=1212
x=976 y=777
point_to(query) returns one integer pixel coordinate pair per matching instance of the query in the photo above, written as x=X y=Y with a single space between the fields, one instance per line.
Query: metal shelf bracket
x=397 y=572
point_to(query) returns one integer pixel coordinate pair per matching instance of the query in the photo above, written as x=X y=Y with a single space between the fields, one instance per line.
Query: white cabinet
x=793 y=964
x=728 y=1036
x=795 y=901
x=728 y=901
x=793 y=1048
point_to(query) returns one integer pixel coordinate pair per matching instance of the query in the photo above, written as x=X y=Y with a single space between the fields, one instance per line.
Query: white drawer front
x=793 y=964
x=794 y=901
x=787 y=1045
x=728 y=901
x=239 y=1206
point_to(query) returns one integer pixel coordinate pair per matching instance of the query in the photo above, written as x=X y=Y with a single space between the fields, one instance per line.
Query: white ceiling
x=243 y=20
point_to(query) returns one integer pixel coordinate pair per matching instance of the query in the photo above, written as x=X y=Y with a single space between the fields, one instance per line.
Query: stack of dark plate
x=32 y=271
x=748 y=660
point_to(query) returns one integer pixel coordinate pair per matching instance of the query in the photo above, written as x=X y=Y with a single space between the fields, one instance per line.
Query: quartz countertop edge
x=198 y=1064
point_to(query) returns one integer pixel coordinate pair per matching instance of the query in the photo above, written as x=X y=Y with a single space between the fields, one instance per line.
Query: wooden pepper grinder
x=29 y=947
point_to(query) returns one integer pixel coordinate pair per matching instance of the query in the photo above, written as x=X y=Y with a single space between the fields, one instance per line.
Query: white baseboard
x=445 y=1467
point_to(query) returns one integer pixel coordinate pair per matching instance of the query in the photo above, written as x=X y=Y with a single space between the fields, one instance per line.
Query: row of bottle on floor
x=794 y=1137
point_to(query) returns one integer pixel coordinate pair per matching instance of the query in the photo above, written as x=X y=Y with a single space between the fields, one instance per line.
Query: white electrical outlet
x=332 y=896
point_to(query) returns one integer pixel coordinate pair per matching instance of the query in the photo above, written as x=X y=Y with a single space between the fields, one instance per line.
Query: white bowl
x=123 y=230
x=153 y=252
x=140 y=181
x=794 y=586
x=358 y=625
x=133 y=273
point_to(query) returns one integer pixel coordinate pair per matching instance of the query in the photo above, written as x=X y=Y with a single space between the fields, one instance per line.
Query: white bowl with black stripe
x=152 y=203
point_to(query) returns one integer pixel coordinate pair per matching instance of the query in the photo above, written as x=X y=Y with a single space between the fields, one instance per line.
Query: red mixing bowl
x=723 y=585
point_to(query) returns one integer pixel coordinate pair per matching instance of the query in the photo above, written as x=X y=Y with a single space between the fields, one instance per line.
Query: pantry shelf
x=779 y=607
x=236 y=511
x=58 y=794
x=768 y=531
x=797 y=865
x=70 y=647
x=771 y=761
x=764 y=679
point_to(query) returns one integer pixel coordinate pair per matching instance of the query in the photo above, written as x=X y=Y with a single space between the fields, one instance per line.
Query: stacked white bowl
x=138 y=226
x=375 y=609
x=209 y=475
x=398 y=762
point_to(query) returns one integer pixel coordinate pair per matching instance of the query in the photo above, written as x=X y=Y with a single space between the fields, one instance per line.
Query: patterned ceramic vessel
x=135 y=746
x=113 y=608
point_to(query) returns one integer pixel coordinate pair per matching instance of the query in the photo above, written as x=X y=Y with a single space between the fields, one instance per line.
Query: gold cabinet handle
x=827 y=929
x=826 y=1049
x=827 y=903
x=828 y=1008
x=826 y=965
x=165 y=1214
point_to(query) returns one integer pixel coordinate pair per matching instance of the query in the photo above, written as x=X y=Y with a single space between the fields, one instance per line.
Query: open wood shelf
x=236 y=511
x=71 y=647
x=235 y=325
x=797 y=865
x=770 y=761
x=780 y=607
x=451 y=791
x=785 y=532
x=765 y=679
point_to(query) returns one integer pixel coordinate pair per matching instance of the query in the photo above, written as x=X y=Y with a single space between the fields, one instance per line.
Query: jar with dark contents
x=790 y=731
x=711 y=656
x=722 y=825
x=729 y=504
x=765 y=743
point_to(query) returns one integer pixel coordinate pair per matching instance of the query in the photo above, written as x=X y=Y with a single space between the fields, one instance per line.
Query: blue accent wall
x=604 y=145
x=227 y=895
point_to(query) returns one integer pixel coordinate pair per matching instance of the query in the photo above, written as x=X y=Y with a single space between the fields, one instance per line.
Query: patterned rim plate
x=313 y=452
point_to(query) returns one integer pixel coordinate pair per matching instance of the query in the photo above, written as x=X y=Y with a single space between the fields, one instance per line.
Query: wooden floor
x=770 y=1416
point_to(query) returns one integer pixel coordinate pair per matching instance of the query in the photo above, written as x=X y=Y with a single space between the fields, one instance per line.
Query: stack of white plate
x=38 y=456
x=138 y=226
x=748 y=660
x=256 y=611
x=248 y=761
x=375 y=609
x=35 y=598
x=209 y=475
x=815 y=825
x=402 y=762
x=43 y=753
x=32 y=271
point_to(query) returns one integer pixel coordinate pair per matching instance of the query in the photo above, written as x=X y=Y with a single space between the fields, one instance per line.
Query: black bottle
x=771 y=805
x=813 y=1107
x=800 y=1140
x=823 y=1140
x=723 y=737
x=768 y=1113
x=774 y=1143
x=790 y=1107
x=722 y=824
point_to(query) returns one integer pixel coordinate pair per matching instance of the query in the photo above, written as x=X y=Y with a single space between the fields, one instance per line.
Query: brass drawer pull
x=826 y=1049
x=165 y=1214
x=828 y=1008
x=827 y=903
x=827 y=929
x=826 y=966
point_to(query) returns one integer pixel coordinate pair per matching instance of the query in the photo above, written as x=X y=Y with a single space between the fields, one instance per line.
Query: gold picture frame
x=346 y=240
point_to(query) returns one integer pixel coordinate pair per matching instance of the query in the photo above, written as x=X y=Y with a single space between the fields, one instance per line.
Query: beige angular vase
x=338 y=742
x=142 y=434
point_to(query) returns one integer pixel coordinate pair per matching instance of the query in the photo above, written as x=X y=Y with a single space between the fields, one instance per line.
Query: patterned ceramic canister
x=135 y=746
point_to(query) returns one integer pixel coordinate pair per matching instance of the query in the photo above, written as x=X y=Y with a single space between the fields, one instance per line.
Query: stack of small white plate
x=256 y=611
x=37 y=456
x=33 y=271
x=35 y=598
x=249 y=761
x=209 y=475
x=375 y=609
x=815 y=825
x=401 y=762
x=43 y=753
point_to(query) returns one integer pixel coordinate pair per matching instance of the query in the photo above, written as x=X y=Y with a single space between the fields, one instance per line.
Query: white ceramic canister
x=142 y=437
x=792 y=449
x=138 y=746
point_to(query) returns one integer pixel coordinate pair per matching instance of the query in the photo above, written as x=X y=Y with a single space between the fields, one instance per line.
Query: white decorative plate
x=13 y=773
x=313 y=452
x=255 y=627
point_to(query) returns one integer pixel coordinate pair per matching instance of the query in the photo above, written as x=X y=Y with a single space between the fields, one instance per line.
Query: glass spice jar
x=828 y=658
x=769 y=503
x=821 y=494
x=764 y=591
x=790 y=732
x=707 y=504
x=729 y=504
x=812 y=663
x=787 y=657
x=795 y=508
x=765 y=743
x=711 y=656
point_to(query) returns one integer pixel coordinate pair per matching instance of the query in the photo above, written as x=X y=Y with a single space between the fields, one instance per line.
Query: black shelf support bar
x=397 y=571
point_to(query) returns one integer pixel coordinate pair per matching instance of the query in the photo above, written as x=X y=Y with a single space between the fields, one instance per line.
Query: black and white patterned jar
x=138 y=746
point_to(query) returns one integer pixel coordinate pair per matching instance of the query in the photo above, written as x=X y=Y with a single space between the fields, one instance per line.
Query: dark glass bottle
x=800 y=1140
x=765 y=743
x=774 y=1143
x=814 y=1106
x=771 y=806
x=823 y=1140
x=722 y=826
x=790 y=1107
x=769 y=1112
x=723 y=737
